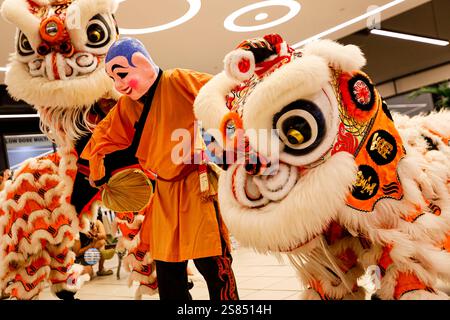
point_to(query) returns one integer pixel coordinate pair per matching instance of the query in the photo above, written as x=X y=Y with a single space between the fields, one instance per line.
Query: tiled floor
x=258 y=277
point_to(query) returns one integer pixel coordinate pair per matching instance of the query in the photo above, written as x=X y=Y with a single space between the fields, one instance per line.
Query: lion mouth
x=259 y=191
x=55 y=66
x=299 y=215
x=265 y=194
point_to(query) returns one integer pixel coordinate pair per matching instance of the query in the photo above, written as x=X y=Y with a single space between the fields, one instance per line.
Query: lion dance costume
x=348 y=191
x=58 y=67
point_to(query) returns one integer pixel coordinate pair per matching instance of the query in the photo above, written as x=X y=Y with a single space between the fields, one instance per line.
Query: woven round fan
x=129 y=190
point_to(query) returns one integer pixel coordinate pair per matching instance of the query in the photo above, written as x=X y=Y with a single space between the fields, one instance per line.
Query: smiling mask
x=130 y=66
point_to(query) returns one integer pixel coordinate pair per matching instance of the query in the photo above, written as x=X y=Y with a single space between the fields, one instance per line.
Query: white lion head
x=315 y=123
x=58 y=65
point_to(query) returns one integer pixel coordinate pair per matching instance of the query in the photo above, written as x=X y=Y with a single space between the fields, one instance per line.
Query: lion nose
x=54 y=37
x=256 y=164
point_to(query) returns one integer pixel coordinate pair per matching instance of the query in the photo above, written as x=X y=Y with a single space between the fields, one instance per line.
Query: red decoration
x=362 y=92
x=358 y=93
x=345 y=142
x=385 y=259
x=348 y=260
x=334 y=233
x=273 y=38
x=269 y=66
x=33 y=7
x=244 y=65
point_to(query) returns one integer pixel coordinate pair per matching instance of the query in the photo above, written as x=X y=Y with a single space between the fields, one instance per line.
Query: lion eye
x=301 y=126
x=95 y=34
x=98 y=32
x=23 y=45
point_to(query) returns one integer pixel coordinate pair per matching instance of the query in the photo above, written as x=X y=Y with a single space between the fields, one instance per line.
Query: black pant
x=217 y=272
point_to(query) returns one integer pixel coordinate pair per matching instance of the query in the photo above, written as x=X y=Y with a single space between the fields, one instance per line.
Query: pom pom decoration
x=240 y=64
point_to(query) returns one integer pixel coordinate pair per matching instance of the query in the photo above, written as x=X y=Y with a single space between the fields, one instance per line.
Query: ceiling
x=202 y=42
x=389 y=58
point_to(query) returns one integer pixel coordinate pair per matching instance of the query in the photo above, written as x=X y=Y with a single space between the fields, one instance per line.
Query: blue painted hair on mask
x=127 y=47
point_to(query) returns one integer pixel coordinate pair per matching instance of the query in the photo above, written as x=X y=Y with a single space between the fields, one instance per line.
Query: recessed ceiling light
x=194 y=8
x=409 y=37
x=261 y=16
x=348 y=23
x=294 y=9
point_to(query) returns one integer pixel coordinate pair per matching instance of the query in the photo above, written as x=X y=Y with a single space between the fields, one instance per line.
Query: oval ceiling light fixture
x=294 y=9
x=194 y=8
x=261 y=16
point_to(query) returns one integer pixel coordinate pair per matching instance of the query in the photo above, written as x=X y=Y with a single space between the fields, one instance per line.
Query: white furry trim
x=309 y=294
x=300 y=217
x=17 y=13
x=435 y=259
x=360 y=294
x=24 y=199
x=80 y=92
x=22 y=294
x=438 y=122
x=210 y=104
x=346 y=58
x=19 y=259
x=315 y=265
x=142 y=290
x=389 y=281
x=232 y=61
x=135 y=224
x=45 y=270
x=64 y=126
x=424 y=295
x=142 y=279
x=128 y=244
x=130 y=262
x=55 y=288
x=33 y=246
x=386 y=215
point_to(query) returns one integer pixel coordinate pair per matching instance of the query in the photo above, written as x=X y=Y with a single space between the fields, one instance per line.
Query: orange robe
x=178 y=225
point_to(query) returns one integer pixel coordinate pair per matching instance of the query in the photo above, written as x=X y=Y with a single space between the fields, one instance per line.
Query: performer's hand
x=92 y=183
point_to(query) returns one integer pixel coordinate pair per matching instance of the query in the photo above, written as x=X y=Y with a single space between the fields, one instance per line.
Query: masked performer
x=180 y=224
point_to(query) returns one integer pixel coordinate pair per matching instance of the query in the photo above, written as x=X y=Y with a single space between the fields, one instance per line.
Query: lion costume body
x=325 y=176
x=58 y=67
